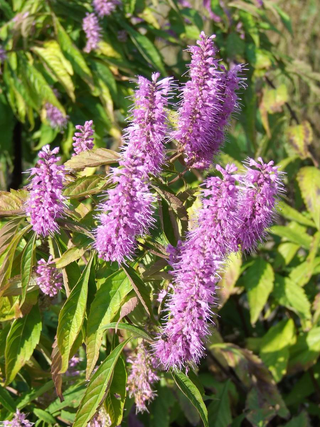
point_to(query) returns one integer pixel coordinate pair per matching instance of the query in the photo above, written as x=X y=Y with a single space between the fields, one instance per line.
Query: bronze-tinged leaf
x=7 y=232
x=55 y=369
x=127 y=308
x=92 y=158
x=11 y=203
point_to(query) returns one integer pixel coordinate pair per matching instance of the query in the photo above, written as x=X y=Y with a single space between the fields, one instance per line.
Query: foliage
x=262 y=365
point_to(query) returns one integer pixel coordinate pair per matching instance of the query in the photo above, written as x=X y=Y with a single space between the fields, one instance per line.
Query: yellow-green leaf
x=309 y=183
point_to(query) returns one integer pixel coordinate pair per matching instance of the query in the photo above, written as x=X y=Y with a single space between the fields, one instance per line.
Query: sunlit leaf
x=309 y=183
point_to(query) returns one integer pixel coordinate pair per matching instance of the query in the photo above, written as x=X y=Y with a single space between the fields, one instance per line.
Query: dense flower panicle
x=46 y=202
x=127 y=213
x=83 y=139
x=209 y=98
x=55 y=117
x=105 y=7
x=145 y=136
x=142 y=377
x=260 y=187
x=48 y=278
x=101 y=419
x=19 y=420
x=92 y=29
x=202 y=255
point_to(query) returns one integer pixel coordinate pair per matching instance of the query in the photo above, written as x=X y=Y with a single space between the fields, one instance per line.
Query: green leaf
x=27 y=260
x=258 y=282
x=284 y=17
x=117 y=395
x=69 y=256
x=6 y=400
x=302 y=420
x=137 y=332
x=44 y=416
x=292 y=296
x=73 y=55
x=34 y=394
x=290 y=213
x=72 y=315
x=92 y=158
x=274 y=347
x=106 y=304
x=229 y=277
x=146 y=48
x=85 y=186
x=192 y=393
x=219 y=410
x=53 y=57
x=309 y=183
x=299 y=138
x=22 y=339
x=300 y=238
x=305 y=352
x=98 y=387
x=7 y=232
x=142 y=291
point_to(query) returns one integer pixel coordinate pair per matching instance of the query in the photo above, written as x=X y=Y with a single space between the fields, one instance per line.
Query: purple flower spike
x=261 y=186
x=83 y=140
x=92 y=29
x=46 y=202
x=127 y=213
x=208 y=99
x=181 y=341
x=105 y=7
x=141 y=378
x=48 y=278
x=19 y=420
x=3 y=54
x=55 y=117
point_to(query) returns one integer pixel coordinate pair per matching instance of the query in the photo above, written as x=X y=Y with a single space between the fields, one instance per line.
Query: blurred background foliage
x=262 y=366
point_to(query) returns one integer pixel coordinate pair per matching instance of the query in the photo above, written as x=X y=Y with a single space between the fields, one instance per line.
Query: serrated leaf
x=26 y=266
x=139 y=287
x=6 y=400
x=53 y=57
x=44 y=416
x=292 y=296
x=300 y=137
x=274 y=347
x=72 y=315
x=309 y=183
x=85 y=186
x=98 y=387
x=137 y=332
x=298 y=237
x=106 y=304
x=258 y=282
x=22 y=339
x=69 y=256
x=72 y=54
x=305 y=352
x=11 y=203
x=290 y=213
x=192 y=393
x=116 y=397
x=219 y=411
x=92 y=158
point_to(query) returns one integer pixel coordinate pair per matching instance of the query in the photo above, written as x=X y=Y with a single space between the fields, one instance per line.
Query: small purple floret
x=105 y=7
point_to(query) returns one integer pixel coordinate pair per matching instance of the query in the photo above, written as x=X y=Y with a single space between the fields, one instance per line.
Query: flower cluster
x=142 y=377
x=55 y=117
x=91 y=27
x=127 y=213
x=46 y=202
x=19 y=420
x=83 y=139
x=101 y=419
x=231 y=215
x=48 y=278
x=260 y=187
x=104 y=7
x=208 y=100
x=3 y=54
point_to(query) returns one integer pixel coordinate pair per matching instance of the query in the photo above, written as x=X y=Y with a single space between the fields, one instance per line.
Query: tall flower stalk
x=127 y=212
x=46 y=202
